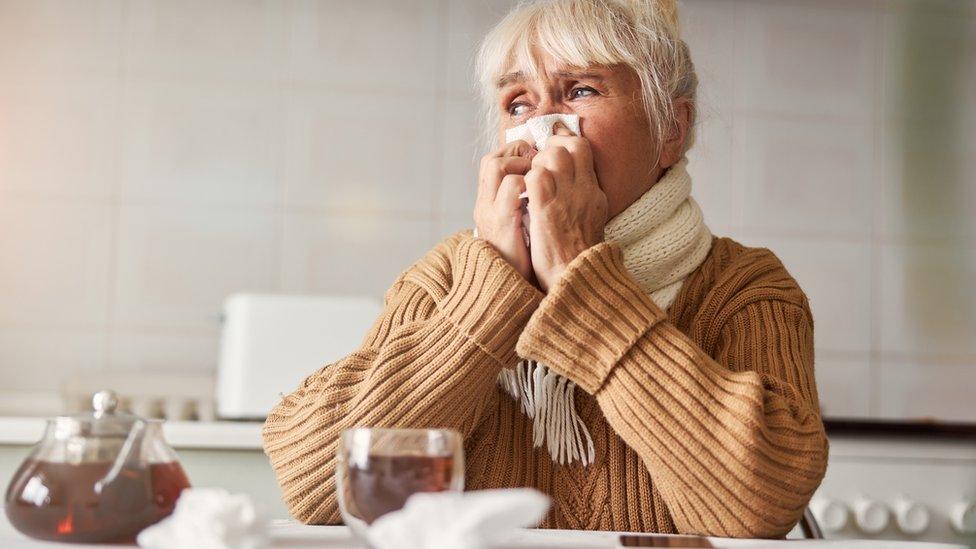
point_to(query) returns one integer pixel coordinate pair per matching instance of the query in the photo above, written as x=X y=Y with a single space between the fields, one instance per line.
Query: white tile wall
x=920 y=163
x=344 y=152
x=709 y=28
x=156 y=156
x=38 y=359
x=717 y=190
x=927 y=390
x=195 y=143
x=59 y=139
x=176 y=264
x=58 y=38
x=161 y=351
x=368 y=45
x=55 y=258
x=467 y=23
x=845 y=385
x=811 y=57
x=927 y=306
x=459 y=159
x=801 y=176
x=217 y=40
x=941 y=37
x=350 y=254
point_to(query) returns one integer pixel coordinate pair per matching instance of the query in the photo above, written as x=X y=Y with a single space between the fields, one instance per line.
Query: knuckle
x=558 y=158
x=493 y=167
x=520 y=146
x=576 y=145
x=511 y=180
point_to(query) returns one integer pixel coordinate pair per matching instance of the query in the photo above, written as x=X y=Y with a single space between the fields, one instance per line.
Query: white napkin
x=467 y=520
x=537 y=131
x=208 y=518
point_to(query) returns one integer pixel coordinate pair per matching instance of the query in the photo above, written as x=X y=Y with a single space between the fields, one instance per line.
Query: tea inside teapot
x=99 y=477
x=70 y=509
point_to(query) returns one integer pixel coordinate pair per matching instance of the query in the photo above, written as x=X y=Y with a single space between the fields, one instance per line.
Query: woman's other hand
x=567 y=208
x=498 y=208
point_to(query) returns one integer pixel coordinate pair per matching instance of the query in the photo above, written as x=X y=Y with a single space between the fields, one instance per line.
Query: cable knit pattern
x=663 y=235
x=664 y=238
x=704 y=417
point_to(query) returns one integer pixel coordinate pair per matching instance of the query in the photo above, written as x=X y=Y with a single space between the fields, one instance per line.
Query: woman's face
x=612 y=117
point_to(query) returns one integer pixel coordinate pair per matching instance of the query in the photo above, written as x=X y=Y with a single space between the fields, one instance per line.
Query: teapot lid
x=104 y=420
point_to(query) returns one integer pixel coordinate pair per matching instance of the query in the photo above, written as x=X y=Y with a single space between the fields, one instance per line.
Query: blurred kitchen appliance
x=899 y=487
x=175 y=396
x=270 y=343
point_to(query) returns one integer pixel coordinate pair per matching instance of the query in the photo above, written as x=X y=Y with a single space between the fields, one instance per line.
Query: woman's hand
x=567 y=208
x=498 y=208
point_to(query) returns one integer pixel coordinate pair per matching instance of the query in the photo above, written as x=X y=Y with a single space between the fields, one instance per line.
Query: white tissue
x=208 y=518
x=538 y=130
x=468 y=520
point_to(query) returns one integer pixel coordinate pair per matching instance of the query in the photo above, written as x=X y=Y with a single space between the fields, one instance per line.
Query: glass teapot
x=95 y=477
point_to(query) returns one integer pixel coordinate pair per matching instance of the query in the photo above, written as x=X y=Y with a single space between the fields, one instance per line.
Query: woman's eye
x=517 y=109
x=582 y=91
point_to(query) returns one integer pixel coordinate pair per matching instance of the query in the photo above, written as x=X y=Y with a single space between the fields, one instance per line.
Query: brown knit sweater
x=705 y=419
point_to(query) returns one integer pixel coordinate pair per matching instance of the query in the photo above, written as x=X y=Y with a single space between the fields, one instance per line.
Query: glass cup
x=378 y=469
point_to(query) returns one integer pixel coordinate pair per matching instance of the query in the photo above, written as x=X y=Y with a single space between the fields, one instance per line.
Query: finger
x=556 y=159
x=578 y=147
x=540 y=185
x=519 y=147
x=510 y=191
x=493 y=169
x=559 y=128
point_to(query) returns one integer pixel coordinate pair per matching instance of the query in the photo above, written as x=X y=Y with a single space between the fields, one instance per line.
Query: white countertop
x=293 y=535
x=223 y=435
x=246 y=435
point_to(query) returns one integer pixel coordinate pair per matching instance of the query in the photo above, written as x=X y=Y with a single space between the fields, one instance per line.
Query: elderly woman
x=668 y=373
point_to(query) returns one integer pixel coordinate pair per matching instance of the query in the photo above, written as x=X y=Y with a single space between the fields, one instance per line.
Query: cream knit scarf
x=663 y=238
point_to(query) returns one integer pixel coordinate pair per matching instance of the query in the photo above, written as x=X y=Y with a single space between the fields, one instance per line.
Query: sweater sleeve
x=733 y=442
x=449 y=325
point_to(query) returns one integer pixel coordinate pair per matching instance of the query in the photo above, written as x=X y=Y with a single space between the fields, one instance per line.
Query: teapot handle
x=131 y=450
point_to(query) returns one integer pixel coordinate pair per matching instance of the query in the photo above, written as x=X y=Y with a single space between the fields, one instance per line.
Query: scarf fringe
x=664 y=238
x=549 y=400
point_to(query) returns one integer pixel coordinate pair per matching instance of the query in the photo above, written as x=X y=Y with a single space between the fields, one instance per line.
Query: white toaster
x=270 y=343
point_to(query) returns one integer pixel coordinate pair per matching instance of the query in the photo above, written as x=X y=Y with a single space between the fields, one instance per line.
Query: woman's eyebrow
x=591 y=75
x=519 y=76
x=509 y=78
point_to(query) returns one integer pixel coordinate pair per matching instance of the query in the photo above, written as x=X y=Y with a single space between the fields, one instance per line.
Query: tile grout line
x=438 y=129
x=115 y=213
x=281 y=170
x=874 y=249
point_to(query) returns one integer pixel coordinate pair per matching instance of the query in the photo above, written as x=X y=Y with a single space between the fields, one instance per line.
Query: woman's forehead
x=553 y=71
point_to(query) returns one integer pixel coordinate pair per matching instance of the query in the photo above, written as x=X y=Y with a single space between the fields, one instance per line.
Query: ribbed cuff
x=589 y=319
x=489 y=301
